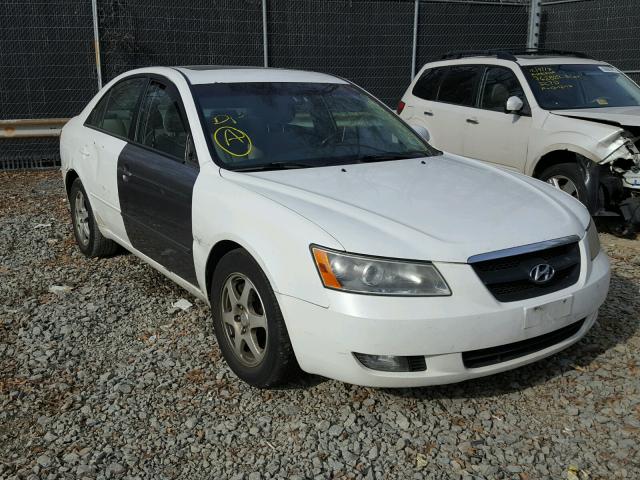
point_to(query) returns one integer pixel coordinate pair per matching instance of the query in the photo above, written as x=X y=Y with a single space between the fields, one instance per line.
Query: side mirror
x=422 y=131
x=514 y=105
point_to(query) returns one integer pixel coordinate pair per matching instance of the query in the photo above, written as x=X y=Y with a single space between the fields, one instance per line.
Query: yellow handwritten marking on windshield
x=549 y=79
x=233 y=141
x=224 y=118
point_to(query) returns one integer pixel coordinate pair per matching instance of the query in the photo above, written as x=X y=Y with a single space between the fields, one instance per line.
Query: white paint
x=517 y=141
x=443 y=210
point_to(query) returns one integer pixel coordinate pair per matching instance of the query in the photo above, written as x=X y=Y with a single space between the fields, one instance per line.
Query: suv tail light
x=401 y=105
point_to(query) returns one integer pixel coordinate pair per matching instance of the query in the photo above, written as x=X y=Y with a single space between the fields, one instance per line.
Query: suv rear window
x=460 y=85
x=427 y=86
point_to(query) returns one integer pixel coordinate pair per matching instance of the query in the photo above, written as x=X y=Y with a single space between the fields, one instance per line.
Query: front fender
x=591 y=140
x=276 y=237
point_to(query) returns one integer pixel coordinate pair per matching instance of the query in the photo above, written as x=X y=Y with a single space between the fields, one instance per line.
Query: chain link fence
x=370 y=43
x=140 y=33
x=48 y=59
x=608 y=30
x=47 y=70
x=447 y=26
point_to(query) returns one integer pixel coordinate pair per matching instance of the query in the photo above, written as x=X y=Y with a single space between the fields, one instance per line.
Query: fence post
x=414 y=52
x=96 y=41
x=535 y=18
x=264 y=33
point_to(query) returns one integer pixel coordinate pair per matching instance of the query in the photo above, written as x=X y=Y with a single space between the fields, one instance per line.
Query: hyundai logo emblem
x=542 y=273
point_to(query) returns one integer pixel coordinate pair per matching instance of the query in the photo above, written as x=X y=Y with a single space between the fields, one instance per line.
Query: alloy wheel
x=244 y=319
x=565 y=184
x=81 y=217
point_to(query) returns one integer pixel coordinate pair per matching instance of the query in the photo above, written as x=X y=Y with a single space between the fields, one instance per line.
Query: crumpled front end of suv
x=612 y=168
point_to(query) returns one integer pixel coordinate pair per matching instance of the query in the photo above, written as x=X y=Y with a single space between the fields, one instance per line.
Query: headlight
x=361 y=274
x=593 y=241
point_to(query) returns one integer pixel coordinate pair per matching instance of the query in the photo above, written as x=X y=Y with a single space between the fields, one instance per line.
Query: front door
x=155 y=182
x=491 y=133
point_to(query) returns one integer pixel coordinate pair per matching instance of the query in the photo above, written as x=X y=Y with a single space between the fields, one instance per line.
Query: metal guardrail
x=32 y=127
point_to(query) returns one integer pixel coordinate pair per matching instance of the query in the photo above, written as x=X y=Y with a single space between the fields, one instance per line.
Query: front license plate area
x=547 y=314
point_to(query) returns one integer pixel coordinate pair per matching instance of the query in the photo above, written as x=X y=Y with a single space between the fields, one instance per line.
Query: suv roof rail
x=502 y=54
x=549 y=52
x=511 y=53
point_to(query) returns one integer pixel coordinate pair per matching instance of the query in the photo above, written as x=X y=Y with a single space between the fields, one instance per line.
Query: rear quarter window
x=428 y=84
x=95 y=117
x=121 y=106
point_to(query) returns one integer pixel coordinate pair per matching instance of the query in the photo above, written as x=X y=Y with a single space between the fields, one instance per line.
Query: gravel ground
x=101 y=378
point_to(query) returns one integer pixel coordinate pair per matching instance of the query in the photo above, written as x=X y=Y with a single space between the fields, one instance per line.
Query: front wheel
x=566 y=177
x=249 y=325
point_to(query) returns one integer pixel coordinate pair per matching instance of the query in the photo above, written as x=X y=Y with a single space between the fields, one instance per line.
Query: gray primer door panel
x=155 y=195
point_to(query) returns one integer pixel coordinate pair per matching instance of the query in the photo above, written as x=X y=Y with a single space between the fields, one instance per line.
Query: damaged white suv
x=558 y=116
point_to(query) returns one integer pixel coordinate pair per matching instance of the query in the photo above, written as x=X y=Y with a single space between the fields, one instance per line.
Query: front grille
x=507 y=278
x=503 y=353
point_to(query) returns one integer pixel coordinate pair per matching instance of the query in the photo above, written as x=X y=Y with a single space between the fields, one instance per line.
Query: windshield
x=294 y=125
x=561 y=87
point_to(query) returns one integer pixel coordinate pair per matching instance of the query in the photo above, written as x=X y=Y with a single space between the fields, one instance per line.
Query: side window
x=160 y=124
x=95 y=117
x=427 y=86
x=500 y=83
x=121 y=106
x=460 y=85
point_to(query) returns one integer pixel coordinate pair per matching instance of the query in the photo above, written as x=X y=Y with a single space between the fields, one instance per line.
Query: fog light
x=392 y=363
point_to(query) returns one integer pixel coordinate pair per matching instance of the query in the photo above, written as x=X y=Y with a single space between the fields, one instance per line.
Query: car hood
x=442 y=208
x=622 y=116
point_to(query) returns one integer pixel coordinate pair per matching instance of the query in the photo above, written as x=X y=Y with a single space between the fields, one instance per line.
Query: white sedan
x=325 y=233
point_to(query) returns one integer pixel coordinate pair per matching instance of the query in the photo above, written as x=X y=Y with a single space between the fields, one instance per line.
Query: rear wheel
x=88 y=237
x=249 y=325
x=566 y=177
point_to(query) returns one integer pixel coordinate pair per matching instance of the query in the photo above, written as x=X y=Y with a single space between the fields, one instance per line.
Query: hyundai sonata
x=325 y=233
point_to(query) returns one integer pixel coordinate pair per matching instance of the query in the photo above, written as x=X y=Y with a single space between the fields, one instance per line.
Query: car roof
x=200 y=74
x=555 y=60
x=523 y=60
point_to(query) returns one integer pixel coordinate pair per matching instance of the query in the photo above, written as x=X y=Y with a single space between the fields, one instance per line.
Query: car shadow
x=617 y=322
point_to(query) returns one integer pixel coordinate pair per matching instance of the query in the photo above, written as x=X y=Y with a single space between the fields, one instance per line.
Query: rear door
x=420 y=110
x=456 y=104
x=495 y=135
x=109 y=128
x=156 y=174
x=453 y=103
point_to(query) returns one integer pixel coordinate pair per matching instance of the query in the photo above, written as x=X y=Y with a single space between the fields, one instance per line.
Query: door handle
x=428 y=113
x=125 y=174
x=84 y=152
x=472 y=121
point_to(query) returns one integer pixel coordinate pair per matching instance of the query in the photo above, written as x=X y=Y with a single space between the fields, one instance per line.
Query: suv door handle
x=84 y=152
x=429 y=113
x=472 y=121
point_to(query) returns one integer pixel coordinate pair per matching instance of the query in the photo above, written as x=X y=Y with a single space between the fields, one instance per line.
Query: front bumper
x=438 y=328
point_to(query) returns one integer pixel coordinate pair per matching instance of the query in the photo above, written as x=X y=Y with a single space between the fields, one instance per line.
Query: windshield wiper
x=392 y=156
x=275 y=166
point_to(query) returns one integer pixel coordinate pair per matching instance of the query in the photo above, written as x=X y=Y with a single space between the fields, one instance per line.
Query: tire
x=262 y=357
x=566 y=174
x=90 y=240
